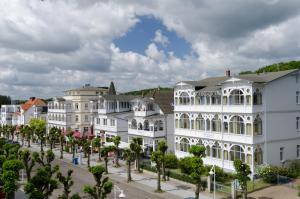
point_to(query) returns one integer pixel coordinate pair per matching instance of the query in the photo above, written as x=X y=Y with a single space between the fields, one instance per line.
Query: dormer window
x=150 y=107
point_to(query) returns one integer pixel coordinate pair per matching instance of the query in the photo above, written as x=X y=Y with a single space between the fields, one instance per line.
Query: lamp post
x=213 y=172
x=118 y=189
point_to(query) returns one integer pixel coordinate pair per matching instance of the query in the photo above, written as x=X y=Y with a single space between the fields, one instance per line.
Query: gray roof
x=118 y=113
x=164 y=99
x=213 y=83
x=119 y=97
x=89 y=88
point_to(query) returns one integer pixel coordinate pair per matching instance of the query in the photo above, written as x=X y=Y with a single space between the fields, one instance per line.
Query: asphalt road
x=82 y=177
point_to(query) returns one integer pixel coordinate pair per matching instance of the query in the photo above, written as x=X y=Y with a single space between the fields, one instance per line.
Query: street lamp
x=118 y=189
x=213 y=172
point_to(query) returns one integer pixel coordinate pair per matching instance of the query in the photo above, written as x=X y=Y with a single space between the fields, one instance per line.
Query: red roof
x=31 y=102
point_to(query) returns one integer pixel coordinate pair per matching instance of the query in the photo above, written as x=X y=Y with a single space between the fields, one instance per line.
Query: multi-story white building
x=253 y=117
x=152 y=120
x=110 y=113
x=33 y=108
x=72 y=111
x=7 y=112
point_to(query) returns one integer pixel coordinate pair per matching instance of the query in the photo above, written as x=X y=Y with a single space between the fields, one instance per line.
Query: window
x=207 y=124
x=146 y=125
x=237 y=125
x=184 y=145
x=257 y=97
x=237 y=152
x=184 y=99
x=133 y=124
x=86 y=118
x=200 y=123
x=258 y=156
x=184 y=121
x=281 y=153
x=298 y=151
x=76 y=118
x=104 y=122
x=98 y=120
x=236 y=97
x=298 y=97
x=257 y=125
x=112 y=122
x=216 y=151
x=76 y=106
x=86 y=106
x=216 y=124
x=298 y=123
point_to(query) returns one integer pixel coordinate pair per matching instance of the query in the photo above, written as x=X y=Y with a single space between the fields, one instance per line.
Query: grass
x=257 y=185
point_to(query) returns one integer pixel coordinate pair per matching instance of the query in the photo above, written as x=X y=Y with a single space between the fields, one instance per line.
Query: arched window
x=207 y=99
x=236 y=125
x=216 y=99
x=184 y=99
x=184 y=145
x=257 y=97
x=160 y=125
x=207 y=151
x=200 y=123
x=146 y=125
x=236 y=97
x=133 y=124
x=216 y=151
x=184 y=121
x=140 y=126
x=237 y=153
x=257 y=126
x=207 y=124
x=248 y=129
x=258 y=156
x=216 y=124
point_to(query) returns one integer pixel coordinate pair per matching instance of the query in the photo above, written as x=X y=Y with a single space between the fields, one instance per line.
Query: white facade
x=72 y=111
x=7 y=112
x=249 y=117
x=151 y=123
x=110 y=113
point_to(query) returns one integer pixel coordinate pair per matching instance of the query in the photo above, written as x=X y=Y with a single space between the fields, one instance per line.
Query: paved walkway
x=176 y=188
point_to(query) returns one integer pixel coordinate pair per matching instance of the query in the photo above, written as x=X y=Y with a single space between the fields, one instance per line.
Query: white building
x=110 y=113
x=152 y=120
x=253 y=117
x=33 y=108
x=7 y=112
x=72 y=111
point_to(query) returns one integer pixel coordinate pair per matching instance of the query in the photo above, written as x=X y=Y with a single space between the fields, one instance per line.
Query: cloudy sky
x=51 y=45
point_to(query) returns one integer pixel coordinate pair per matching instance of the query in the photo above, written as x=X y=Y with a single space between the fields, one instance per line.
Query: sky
x=52 y=45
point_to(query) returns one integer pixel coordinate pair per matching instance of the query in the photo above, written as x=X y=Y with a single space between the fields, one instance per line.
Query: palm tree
x=157 y=157
x=105 y=152
x=117 y=141
x=163 y=147
x=97 y=143
x=129 y=157
x=136 y=147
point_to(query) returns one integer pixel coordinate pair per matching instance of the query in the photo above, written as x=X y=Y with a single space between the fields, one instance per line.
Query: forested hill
x=146 y=91
x=276 y=67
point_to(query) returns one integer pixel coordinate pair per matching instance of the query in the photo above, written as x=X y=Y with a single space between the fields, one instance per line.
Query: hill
x=276 y=67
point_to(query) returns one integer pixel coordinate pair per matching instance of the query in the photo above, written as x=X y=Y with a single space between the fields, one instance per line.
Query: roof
x=32 y=102
x=89 y=88
x=212 y=83
x=164 y=99
x=119 y=97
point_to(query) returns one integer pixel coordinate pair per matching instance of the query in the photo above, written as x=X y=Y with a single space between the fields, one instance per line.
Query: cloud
x=49 y=46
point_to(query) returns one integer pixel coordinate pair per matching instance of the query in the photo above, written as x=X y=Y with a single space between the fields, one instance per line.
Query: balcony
x=146 y=133
x=219 y=108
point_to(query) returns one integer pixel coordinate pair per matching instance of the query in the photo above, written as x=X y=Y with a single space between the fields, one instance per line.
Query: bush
x=221 y=176
x=269 y=173
x=294 y=167
x=185 y=165
x=171 y=161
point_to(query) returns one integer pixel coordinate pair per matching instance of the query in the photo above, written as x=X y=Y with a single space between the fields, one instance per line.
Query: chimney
x=32 y=98
x=227 y=73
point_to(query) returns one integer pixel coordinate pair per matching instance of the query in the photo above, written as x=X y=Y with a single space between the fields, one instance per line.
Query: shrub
x=269 y=173
x=294 y=167
x=67 y=149
x=171 y=161
x=221 y=176
x=185 y=164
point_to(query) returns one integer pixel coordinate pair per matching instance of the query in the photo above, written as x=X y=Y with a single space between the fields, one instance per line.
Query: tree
x=22 y=133
x=10 y=176
x=73 y=142
x=157 y=157
x=112 y=90
x=67 y=182
x=28 y=134
x=129 y=157
x=28 y=162
x=102 y=187
x=97 y=143
x=87 y=150
x=4 y=100
x=42 y=185
x=11 y=131
x=105 y=154
x=39 y=128
x=61 y=141
x=53 y=136
x=242 y=175
x=163 y=147
x=136 y=147
x=40 y=158
x=117 y=141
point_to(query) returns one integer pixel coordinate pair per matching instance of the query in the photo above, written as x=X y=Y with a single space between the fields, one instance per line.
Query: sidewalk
x=176 y=188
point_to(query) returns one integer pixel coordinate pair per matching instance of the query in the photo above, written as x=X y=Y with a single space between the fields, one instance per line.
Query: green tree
x=129 y=157
x=102 y=187
x=39 y=128
x=22 y=133
x=163 y=147
x=28 y=134
x=117 y=141
x=28 y=162
x=39 y=158
x=86 y=145
x=157 y=157
x=136 y=147
x=105 y=154
x=97 y=143
x=53 y=136
x=67 y=182
x=171 y=161
x=242 y=175
x=62 y=142
x=10 y=177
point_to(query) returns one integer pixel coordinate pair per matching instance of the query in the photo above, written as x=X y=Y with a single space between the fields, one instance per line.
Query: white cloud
x=160 y=38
